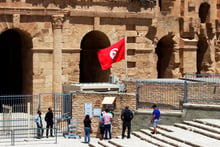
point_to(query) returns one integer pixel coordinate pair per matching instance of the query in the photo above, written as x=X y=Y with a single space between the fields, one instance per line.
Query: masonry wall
x=80 y=98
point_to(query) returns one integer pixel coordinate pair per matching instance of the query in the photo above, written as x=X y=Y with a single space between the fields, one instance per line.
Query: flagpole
x=126 y=60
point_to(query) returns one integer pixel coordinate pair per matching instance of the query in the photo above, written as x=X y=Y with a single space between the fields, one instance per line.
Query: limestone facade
x=56 y=41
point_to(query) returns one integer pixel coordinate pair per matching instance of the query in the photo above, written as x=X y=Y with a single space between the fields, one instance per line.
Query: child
x=155 y=119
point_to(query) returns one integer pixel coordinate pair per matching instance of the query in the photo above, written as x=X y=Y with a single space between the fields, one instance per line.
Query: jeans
x=108 y=131
x=126 y=124
x=40 y=131
x=87 y=134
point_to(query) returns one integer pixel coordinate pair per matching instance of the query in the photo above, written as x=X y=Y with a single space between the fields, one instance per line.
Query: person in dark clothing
x=87 y=128
x=49 y=120
x=126 y=116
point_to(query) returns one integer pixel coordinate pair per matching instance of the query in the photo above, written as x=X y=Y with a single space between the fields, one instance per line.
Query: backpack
x=127 y=115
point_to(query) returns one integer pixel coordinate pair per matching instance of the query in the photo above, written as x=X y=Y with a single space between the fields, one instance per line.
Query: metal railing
x=166 y=93
x=170 y=94
x=14 y=136
x=202 y=88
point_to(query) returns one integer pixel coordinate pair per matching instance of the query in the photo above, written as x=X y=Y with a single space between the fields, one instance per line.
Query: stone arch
x=164 y=51
x=90 y=68
x=16 y=62
x=204 y=12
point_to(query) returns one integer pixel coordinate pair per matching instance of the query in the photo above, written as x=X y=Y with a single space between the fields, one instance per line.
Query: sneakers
x=153 y=132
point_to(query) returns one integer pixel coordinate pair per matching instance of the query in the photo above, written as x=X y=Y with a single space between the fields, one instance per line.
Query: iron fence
x=170 y=94
x=16 y=136
x=18 y=114
x=63 y=112
x=166 y=93
x=202 y=88
x=17 y=111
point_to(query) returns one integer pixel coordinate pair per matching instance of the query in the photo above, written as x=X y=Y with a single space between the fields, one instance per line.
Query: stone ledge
x=167 y=113
x=201 y=106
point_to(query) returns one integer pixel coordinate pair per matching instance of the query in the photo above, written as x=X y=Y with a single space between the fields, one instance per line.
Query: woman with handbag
x=87 y=128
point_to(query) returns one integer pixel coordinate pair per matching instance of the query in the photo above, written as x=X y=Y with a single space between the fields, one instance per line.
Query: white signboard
x=88 y=109
x=97 y=111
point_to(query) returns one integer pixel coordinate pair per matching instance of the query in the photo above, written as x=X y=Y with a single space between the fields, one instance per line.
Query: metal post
x=55 y=130
x=12 y=137
x=137 y=95
x=54 y=117
x=185 y=92
x=29 y=122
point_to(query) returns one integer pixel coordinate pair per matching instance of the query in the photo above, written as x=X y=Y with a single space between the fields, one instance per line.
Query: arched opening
x=15 y=62
x=202 y=48
x=90 y=68
x=164 y=51
x=204 y=12
x=16 y=66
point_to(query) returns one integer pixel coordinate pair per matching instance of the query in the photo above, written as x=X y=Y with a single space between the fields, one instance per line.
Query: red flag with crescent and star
x=112 y=54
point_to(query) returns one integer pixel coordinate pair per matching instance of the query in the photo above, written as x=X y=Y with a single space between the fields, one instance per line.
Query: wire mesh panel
x=63 y=112
x=17 y=112
x=167 y=94
x=17 y=137
x=203 y=88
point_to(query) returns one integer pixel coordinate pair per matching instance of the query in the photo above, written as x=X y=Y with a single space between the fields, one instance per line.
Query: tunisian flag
x=112 y=54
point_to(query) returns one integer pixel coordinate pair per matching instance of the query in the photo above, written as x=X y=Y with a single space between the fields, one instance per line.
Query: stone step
x=105 y=143
x=94 y=144
x=203 y=126
x=165 y=139
x=210 y=122
x=132 y=142
x=188 y=137
x=149 y=138
x=198 y=130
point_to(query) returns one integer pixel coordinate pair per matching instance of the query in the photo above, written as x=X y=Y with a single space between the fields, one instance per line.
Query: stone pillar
x=57 y=22
x=189 y=59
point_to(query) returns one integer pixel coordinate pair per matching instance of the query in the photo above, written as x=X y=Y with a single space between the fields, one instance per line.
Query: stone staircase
x=196 y=133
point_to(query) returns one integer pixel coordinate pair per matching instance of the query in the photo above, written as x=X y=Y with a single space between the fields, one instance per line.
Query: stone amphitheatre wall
x=59 y=40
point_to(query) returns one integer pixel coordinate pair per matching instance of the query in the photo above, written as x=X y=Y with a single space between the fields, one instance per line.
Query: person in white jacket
x=39 y=124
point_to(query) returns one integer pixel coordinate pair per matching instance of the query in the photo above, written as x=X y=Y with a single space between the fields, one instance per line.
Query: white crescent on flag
x=113 y=52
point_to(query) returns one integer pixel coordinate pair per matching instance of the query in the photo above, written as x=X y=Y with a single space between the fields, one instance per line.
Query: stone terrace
x=198 y=132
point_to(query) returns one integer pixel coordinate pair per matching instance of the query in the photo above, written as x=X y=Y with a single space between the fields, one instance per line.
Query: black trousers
x=49 y=125
x=126 y=124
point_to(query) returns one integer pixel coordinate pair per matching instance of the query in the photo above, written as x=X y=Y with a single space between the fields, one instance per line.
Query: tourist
x=107 y=118
x=101 y=126
x=155 y=119
x=87 y=128
x=38 y=120
x=126 y=116
x=49 y=120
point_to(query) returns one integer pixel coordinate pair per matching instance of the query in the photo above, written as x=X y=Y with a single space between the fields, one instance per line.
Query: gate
x=62 y=112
